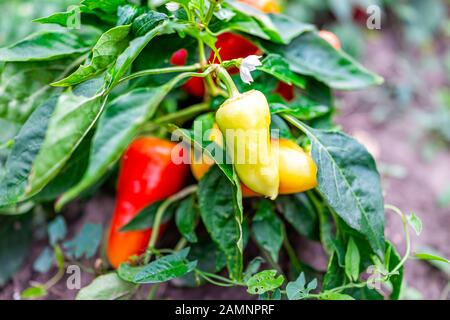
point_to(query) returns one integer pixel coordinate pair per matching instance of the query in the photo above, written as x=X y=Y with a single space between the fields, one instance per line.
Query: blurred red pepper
x=359 y=15
x=194 y=86
x=147 y=175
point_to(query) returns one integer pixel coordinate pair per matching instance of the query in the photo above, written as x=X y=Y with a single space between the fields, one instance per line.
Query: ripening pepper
x=298 y=172
x=147 y=175
x=244 y=121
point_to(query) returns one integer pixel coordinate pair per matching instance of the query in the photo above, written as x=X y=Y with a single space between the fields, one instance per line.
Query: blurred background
x=405 y=123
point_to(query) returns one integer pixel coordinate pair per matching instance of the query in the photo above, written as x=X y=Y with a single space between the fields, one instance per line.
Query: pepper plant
x=77 y=97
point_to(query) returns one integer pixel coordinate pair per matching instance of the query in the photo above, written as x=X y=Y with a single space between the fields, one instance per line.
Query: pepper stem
x=225 y=77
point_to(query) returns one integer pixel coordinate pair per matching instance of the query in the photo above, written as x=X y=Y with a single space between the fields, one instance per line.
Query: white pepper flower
x=248 y=65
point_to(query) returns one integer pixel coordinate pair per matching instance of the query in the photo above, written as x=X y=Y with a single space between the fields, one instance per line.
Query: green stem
x=209 y=276
x=55 y=279
x=181 y=244
x=150 y=72
x=210 y=13
x=184 y=114
x=291 y=253
x=407 y=237
x=8 y=144
x=153 y=292
x=213 y=281
x=159 y=215
x=203 y=62
x=225 y=77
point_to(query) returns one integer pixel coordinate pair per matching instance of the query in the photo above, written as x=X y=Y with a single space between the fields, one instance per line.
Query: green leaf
x=107 y=6
x=15 y=239
x=252 y=268
x=264 y=281
x=221 y=216
x=117 y=127
x=44 y=46
x=86 y=241
x=69 y=175
x=25 y=86
x=218 y=154
x=164 y=269
x=57 y=230
x=329 y=295
x=106 y=287
x=185 y=219
x=135 y=47
x=44 y=261
x=415 y=223
x=335 y=275
x=300 y=213
x=326 y=230
x=127 y=13
x=277 y=66
x=277 y=123
x=145 y=218
x=203 y=146
x=240 y=22
x=75 y=114
x=298 y=289
x=147 y=21
x=288 y=28
x=310 y=55
x=276 y=27
x=209 y=259
x=430 y=257
x=302 y=108
x=352 y=260
x=25 y=149
x=63 y=19
x=104 y=10
x=110 y=45
x=268 y=229
x=35 y=292
x=349 y=181
x=395 y=280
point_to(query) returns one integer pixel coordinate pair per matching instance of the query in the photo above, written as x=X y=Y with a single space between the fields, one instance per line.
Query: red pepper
x=194 y=86
x=233 y=46
x=285 y=90
x=147 y=175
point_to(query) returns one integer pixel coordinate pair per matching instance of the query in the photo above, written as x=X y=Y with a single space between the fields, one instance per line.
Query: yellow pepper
x=245 y=123
x=298 y=172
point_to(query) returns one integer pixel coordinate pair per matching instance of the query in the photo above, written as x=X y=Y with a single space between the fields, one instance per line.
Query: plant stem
x=181 y=244
x=153 y=292
x=150 y=72
x=210 y=13
x=291 y=253
x=158 y=218
x=225 y=77
x=183 y=114
x=8 y=144
x=213 y=281
x=407 y=237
